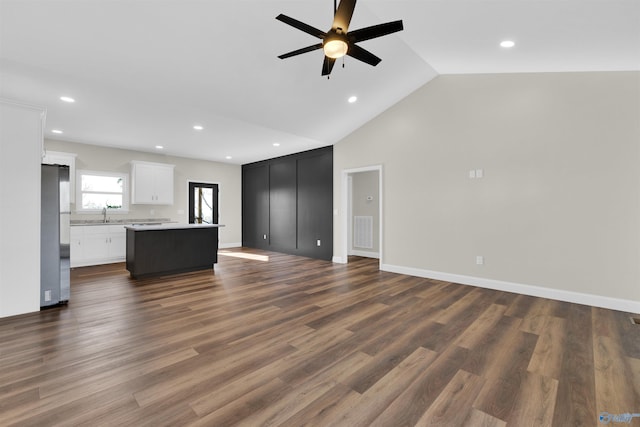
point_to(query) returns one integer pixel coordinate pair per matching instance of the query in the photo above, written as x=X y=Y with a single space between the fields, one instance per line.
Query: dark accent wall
x=287 y=204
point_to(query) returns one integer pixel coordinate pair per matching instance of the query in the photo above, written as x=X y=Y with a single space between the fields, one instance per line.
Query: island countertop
x=169 y=226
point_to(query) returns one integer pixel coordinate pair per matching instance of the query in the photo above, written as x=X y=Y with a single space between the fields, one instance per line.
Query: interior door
x=203 y=203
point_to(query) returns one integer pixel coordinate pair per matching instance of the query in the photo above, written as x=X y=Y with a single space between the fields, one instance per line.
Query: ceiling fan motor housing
x=335 y=44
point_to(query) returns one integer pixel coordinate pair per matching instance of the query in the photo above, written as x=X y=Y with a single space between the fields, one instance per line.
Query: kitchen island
x=154 y=250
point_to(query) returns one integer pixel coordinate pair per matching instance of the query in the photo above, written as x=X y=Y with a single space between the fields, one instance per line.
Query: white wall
x=91 y=157
x=558 y=211
x=20 y=154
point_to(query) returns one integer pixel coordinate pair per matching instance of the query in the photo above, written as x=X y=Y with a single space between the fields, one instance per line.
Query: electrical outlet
x=47 y=295
x=318 y=242
x=479 y=260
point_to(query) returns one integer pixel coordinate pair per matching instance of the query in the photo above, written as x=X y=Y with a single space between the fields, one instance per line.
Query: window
x=99 y=190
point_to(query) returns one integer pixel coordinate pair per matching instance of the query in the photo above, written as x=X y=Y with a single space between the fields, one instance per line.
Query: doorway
x=348 y=219
x=203 y=203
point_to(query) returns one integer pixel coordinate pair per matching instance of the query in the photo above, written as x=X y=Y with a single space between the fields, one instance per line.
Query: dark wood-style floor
x=272 y=339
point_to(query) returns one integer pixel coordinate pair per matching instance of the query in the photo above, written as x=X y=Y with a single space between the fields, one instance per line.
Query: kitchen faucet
x=104 y=214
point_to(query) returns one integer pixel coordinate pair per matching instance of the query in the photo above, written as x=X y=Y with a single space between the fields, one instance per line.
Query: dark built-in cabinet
x=287 y=204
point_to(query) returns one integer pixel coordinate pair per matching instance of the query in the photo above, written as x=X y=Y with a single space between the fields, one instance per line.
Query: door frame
x=198 y=181
x=346 y=201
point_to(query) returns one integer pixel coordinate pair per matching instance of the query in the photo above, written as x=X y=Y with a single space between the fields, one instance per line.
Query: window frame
x=125 y=191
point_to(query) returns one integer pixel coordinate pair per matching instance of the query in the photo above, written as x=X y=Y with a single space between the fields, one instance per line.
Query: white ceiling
x=143 y=72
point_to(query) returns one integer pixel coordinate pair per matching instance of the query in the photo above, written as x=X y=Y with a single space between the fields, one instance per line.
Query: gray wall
x=559 y=204
x=91 y=157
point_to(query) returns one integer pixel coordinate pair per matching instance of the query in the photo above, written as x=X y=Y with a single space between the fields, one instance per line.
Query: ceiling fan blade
x=301 y=26
x=343 y=15
x=327 y=65
x=363 y=55
x=374 y=31
x=301 y=51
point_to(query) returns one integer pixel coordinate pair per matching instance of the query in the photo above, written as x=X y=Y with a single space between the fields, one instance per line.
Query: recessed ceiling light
x=58 y=131
x=352 y=99
x=507 y=43
x=228 y=157
x=276 y=144
x=67 y=99
x=159 y=147
x=197 y=127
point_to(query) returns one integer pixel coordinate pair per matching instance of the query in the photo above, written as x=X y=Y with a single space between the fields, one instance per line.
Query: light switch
x=472 y=173
x=479 y=173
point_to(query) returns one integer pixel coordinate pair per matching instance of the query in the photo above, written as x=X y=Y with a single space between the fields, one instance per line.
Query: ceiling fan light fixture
x=335 y=48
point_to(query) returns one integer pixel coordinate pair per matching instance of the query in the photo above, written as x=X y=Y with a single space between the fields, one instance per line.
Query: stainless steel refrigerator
x=54 y=236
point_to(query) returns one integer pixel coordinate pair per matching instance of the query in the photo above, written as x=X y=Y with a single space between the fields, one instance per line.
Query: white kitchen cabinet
x=151 y=183
x=60 y=158
x=75 y=245
x=97 y=244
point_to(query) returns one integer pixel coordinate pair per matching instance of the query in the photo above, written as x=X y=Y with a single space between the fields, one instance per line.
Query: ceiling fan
x=339 y=41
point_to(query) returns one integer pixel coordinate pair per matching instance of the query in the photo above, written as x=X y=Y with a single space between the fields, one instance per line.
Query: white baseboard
x=229 y=245
x=338 y=260
x=536 y=291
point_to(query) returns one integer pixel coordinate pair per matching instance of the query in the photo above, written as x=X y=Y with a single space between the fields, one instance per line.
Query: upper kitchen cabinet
x=151 y=183
x=68 y=159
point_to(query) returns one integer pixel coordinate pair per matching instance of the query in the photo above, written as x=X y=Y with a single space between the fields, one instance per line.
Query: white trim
x=366 y=254
x=344 y=183
x=20 y=104
x=229 y=245
x=338 y=260
x=349 y=234
x=519 y=288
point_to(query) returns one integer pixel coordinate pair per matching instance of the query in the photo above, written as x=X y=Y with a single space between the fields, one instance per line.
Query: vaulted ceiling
x=144 y=72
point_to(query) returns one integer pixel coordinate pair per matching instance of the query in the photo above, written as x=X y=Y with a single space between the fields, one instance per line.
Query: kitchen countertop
x=145 y=221
x=167 y=226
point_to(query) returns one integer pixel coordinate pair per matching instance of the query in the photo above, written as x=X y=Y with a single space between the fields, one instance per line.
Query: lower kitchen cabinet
x=97 y=244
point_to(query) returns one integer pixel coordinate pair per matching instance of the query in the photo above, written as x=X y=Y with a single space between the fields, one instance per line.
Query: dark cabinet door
x=315 y=206
x=282 y=205
x=255 y=206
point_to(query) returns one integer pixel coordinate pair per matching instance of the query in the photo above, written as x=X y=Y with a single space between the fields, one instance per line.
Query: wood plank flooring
x=273 y=339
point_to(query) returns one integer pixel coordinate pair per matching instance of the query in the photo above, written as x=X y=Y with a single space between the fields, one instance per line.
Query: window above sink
x=102 y=190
